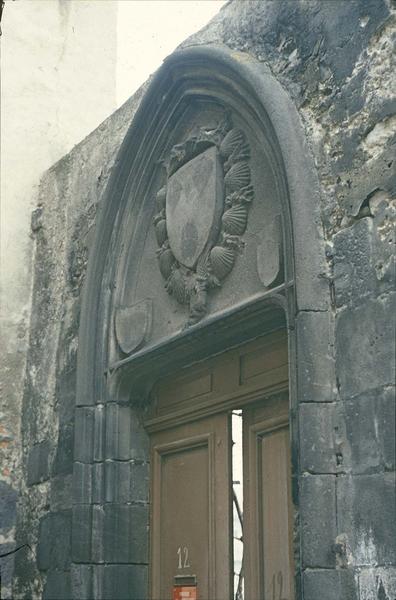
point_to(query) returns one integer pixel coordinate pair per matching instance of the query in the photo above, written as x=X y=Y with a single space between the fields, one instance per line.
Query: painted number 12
x=182 y=553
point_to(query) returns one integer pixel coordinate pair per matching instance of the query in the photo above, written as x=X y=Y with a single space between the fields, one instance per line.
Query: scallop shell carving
x=238 y=176
x=166 y=262
x=235 y=219
x=160 y=231
x=176 y=287
x=232 y=141
x=221 y=260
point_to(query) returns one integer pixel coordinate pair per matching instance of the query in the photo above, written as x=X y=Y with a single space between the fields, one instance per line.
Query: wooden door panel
x=267 y=502
x=191 y=508
x=274 y=512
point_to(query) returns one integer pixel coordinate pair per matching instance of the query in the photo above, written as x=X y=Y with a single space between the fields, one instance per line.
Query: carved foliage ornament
x=202 y=212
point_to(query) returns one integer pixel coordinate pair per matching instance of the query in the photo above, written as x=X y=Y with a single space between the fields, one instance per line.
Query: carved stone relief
x=202 y=213
x=133 y=325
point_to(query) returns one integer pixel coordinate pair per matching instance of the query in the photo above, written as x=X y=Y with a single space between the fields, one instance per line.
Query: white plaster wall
x=58 y=60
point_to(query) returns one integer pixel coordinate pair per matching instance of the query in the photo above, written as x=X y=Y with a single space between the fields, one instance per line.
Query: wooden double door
x=207 y=474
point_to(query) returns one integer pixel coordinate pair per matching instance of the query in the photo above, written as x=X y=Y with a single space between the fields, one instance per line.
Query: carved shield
x=194 y=205
x=132 y=325
x=269 y=253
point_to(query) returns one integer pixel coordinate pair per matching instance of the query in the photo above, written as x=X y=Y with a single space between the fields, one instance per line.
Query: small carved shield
x=133 y=324
x=194 y=205
x=269 y=253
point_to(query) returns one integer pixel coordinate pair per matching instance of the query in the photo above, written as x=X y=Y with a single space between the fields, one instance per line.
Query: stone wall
x=62 y=226
x=334 y=59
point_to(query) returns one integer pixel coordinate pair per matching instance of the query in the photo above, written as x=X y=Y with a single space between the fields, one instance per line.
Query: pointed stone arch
x=112 y=387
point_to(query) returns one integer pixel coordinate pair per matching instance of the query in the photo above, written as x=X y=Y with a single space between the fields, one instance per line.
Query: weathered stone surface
x=325 y=584
x=66 y=392
x=57 y=586
x=54 y=541
x=362 y=262
x=354 y=275
x=63 y=460
x=370 y=424
x=318 y=452
x=379 y=583
x=8 y=499
x=314 y=357
x=81 y=582
x=365 y=342
x=61 y=493
x=38 y=463
x=318 y=520
x=362 y=502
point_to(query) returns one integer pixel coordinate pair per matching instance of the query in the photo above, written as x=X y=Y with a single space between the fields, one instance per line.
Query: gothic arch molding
x=247 y=88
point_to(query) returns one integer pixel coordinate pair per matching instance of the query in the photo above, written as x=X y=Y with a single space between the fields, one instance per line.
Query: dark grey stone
x=126 y=482
x=82 y=483
x=126 y=533
x=81 y=533
x=370 y=424
x=125 y=582
x=84 y=434
x=125 y=436
x=318 y=520
x=8 y=500
x=318 y=452
x=66 y=394
x=330 y=584
x=57 y=586
x=98 y=483
x=81 y=582
x=61 y=493
x=53 y=550
x=98 y=581
x=63 y=461
x=6 y=566
x=99 y=434
x=98 y=534
x=315 y=362
x=38 y=463
x=362 y=502
x=365 y=346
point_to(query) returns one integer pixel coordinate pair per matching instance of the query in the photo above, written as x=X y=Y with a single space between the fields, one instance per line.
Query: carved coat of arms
x=202 y=212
